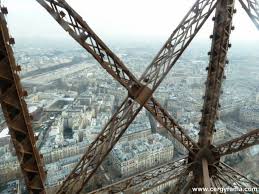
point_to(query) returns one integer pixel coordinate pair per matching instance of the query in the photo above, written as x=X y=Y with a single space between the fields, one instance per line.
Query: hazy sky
x=111 y=19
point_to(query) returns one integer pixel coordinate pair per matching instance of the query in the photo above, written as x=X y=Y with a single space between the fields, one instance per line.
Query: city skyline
x=201 y=101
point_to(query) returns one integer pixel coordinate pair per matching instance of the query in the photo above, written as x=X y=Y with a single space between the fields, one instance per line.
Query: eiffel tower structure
x=201 y=167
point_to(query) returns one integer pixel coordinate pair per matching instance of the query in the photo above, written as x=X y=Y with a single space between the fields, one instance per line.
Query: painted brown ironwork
x=181 y=183
x=238 y=144
x=203 y=162
x=16 y=113
x=252 y=9
x=163 y=62
x=233 y=178
x=149 y=179
x=174 y=47
x=84 y=35
x=218 y=59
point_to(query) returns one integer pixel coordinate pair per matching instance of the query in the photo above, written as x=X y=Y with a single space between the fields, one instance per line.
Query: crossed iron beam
x=140 y=91
x=202 y=156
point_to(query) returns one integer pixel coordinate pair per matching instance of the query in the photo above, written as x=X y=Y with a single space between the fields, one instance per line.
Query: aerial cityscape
x=71 y=97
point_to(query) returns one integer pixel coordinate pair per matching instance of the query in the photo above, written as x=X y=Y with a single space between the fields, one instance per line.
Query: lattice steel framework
x=202 y=167
x=16 y=113
x=252 y=9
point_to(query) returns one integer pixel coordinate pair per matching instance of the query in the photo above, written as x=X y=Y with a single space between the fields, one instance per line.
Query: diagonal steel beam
x=16 y=113
x=214 y=183
x=162 y=64
x=149 y=179
x=238 y=144
x=100 y=147
x=180 y=183
x=225 y=181
x=234 y=177
x=85 y=36
x=218 y=59
x=252 y=9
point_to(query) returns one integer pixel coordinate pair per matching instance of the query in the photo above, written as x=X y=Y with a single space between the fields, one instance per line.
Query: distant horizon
x=133 y=20
x=138 y=42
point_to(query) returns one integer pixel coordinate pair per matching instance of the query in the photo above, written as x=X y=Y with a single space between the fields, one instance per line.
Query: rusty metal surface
x=218 y=58
x=100 y=147
x=16 y=114
x=181 y=183
x=148 y=179
x=177 y=43
x=252 y=9
x=83 y=34
x=233 y=177
x=238 y=144
x=140 y=93
x=162 y=64
x=226 y=177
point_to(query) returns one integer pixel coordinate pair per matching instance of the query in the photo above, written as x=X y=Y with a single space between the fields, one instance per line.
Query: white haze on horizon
x=117 y=19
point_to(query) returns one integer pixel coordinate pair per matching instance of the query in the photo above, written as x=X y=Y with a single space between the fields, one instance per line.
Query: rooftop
x=128 y=150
